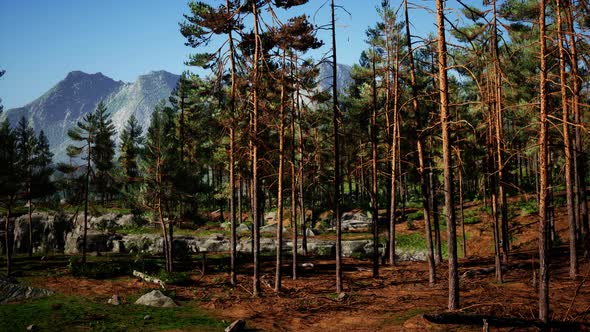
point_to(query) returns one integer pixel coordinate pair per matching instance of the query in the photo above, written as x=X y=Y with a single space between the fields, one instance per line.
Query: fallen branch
x=148 y=278
x=478 y=320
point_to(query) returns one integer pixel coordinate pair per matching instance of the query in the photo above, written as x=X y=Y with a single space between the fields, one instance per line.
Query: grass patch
x=67 y=313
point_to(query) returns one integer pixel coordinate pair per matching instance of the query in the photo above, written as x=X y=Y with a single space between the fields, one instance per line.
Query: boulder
x=355 y=221
x=354 y=247
x=243 y=229
x=156 y=299
x=309 y=232
x=10 y=292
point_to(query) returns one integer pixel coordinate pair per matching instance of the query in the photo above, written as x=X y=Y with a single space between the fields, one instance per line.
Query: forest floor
x=395 y=301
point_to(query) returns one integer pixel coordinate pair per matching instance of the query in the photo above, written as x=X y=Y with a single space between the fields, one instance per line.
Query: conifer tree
x=131 y=139
x=10 y=177
x=26 y=143
x=104 y=152
x=84 y=136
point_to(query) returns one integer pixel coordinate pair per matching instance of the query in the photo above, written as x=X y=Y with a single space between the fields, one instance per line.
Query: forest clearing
x=440 y=183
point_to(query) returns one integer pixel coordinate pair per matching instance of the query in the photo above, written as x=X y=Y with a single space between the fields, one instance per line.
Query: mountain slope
x=60 y=108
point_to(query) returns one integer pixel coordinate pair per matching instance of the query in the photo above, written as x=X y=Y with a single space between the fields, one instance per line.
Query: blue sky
x=42 y=40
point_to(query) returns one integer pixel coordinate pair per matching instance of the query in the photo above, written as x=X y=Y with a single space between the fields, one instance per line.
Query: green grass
x=67 y=313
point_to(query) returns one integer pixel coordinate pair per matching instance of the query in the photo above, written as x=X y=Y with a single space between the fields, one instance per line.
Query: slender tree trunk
x=279 y=245
x=447 y=160
x=569 y=185
x=86 y=196
x=464 y=238
x=30 y=204
x=543 y=225
x=336 y=122
x=7 y=241
x=435 y=219
x=579 y=155
x=420 y=148
x=301 y=193
x=374 y=191
x=293 y=193
x=254 y=138
x=499 y=131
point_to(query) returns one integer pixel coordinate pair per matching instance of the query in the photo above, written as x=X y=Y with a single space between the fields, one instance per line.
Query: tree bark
x=336 y=122
x=420 y=148
x=374 y=187
x=569 y=185
x=254 y=139
x=279 y=245
x=447 y=160
x=543 y=188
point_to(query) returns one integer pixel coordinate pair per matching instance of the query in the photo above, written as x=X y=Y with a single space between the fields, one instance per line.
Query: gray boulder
x=10 y=292
x=155 y=298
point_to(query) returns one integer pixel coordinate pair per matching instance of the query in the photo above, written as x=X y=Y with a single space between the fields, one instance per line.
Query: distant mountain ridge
x=66 y=103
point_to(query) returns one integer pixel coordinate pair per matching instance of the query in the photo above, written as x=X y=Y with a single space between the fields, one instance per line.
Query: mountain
x=60 y=108
x=342 y=77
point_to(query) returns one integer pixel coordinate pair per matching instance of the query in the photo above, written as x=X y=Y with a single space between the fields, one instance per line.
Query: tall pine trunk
x=336 y=121
x=279 y=245
x=569 y=185
x=543 y=187
x=254 y=144
x=420 y=148
x=447 y=160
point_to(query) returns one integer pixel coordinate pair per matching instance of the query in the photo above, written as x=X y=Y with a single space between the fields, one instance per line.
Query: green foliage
x=68 y=313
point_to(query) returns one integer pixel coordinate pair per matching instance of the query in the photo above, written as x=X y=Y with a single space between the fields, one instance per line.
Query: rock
x=354 y=247
x=147 y=317
x=355 y=220
x=270 y=216
x=126 y=220
x=237 y=326
x=272 y=229
x=309 y=232
x=10 y=292
x=114 y=300
x=156 y=299
x=243 y=229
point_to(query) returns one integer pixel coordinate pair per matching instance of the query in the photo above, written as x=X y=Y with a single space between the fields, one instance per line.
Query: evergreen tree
x=85 y=134
x=10 y=177
x=104 y=152
x=156 y=163
x=26 y=143
x=131 y=140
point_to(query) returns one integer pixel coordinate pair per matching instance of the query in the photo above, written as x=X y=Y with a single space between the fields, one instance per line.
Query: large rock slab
x=156 y=299
x=10 y=292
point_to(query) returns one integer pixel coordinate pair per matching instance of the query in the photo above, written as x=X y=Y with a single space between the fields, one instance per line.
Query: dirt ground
x=395 y=301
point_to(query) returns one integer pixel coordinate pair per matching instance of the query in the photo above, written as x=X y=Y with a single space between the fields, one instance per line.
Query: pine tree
x=158 y=159
x=447 y=159
x=131 y=140
x=104 y=152
x=10 y=183
x=26 y=143
x=85 y=134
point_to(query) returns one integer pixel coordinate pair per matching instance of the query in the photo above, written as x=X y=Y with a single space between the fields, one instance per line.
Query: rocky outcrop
x=63 y=233
x=12 y=292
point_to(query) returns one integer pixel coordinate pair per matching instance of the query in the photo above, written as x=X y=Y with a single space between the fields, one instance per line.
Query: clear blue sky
x=42 y=40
